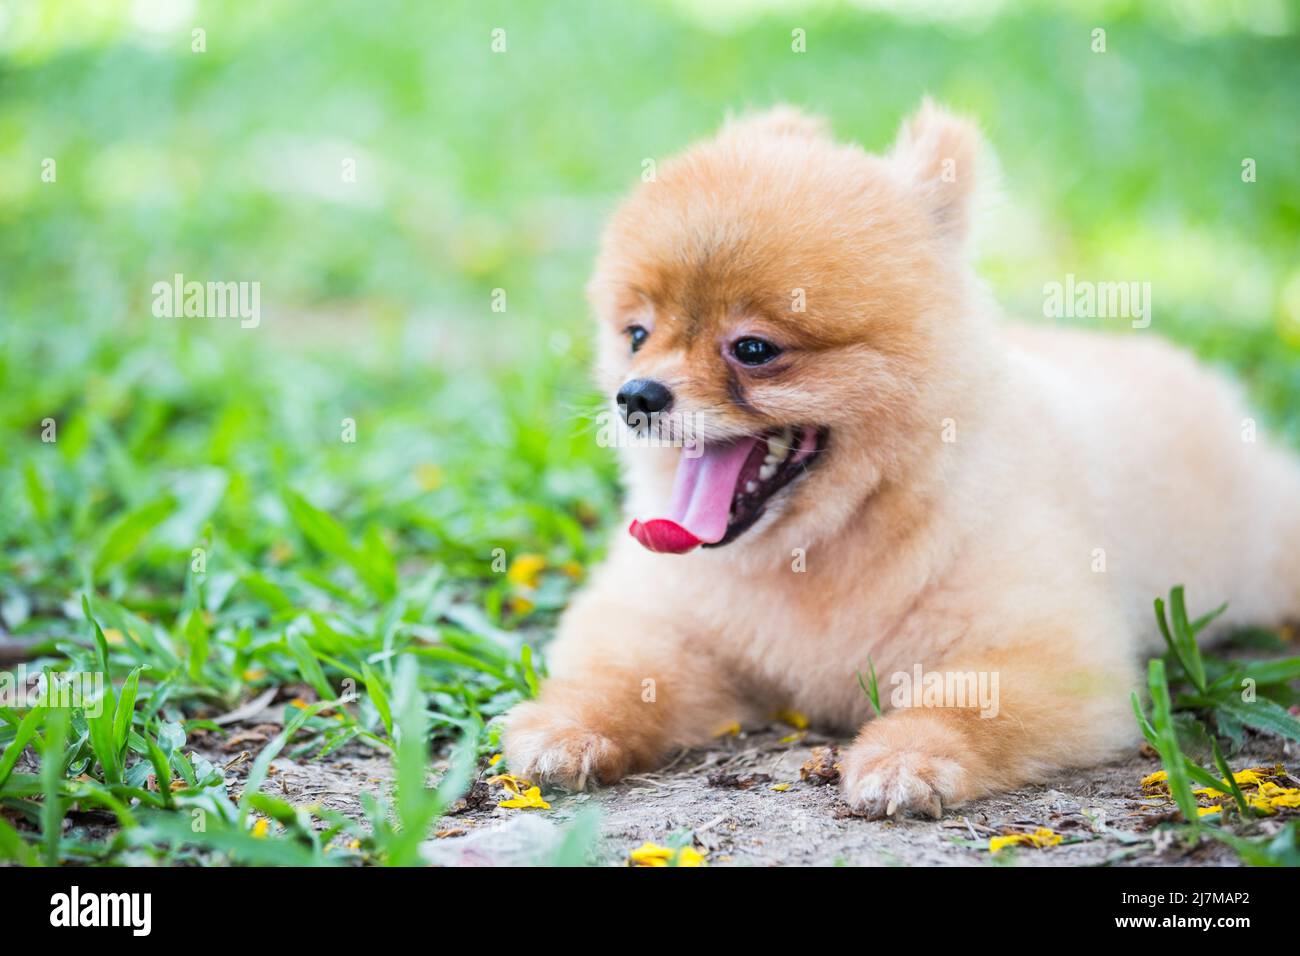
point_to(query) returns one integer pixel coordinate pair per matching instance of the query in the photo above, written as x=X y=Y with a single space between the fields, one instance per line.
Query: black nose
x=644 y=396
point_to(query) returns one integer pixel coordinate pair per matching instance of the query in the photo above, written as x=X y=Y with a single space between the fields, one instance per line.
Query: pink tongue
x=701 y=499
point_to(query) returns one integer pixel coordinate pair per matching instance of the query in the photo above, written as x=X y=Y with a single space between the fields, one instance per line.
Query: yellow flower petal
x=496 y=759
x=1288 y=797
x=1040 y=838
x=531 y=799
x=260 y=827
x=780 y=787
x=650 y=854
x=728 y=730
x=689 y=856
x=428 y=477
x=1206 y=811
x=792 y=717
x=1151 y=780
x=526 y=570
x=1044 y=837
x=515 y=785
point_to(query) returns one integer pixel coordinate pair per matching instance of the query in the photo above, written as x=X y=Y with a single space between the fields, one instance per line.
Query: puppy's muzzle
x=640 y=398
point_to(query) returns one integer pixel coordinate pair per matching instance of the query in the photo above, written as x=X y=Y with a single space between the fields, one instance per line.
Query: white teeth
x=751 y=487
x=778 y=446
x=766 y=472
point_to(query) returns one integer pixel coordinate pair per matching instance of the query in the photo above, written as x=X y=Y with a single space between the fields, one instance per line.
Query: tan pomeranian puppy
x=868 y=465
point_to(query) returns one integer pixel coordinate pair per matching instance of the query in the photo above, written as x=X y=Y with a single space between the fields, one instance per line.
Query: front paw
x=881 y=782
x=545 y=744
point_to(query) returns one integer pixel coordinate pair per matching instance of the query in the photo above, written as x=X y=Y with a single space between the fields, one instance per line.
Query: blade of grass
x=125 y=709
x=1166 y=742
x=25 y=732
x=1238 y=797
x=379 y=697
x=1186 y=637
x=13 y=846
x=870 y=688
x=530 y=672
x=52 y=808
x=308 y=667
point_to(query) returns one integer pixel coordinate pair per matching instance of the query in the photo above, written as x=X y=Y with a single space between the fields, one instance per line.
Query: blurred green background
x=477 y=171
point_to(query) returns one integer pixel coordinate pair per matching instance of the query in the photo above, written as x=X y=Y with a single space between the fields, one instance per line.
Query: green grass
x=1197 y=700
x=200 y=507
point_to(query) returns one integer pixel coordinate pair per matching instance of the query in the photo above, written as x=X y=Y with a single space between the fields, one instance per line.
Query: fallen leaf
x=478 y=797
x=244 y=737
x=735 y=781
x=254 y=706
x=822 y=767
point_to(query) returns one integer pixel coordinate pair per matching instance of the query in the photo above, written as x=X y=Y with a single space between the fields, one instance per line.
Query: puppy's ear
x=779 y=121
x=937 y=153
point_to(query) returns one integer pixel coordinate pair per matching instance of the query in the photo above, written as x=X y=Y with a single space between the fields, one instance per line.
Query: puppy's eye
x=751 y=351
x=638 y=335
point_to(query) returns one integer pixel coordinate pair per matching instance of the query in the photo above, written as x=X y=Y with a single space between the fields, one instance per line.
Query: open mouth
x=722 y=489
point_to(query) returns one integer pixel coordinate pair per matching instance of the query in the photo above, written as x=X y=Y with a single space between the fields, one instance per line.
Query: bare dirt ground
x=744 y=802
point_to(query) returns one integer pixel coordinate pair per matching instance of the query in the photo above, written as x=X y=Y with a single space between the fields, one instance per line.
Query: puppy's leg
x=1055 y=707
x=625 y=690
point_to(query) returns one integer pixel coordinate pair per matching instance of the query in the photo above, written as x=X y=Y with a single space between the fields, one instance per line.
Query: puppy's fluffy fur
x=979 y=554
